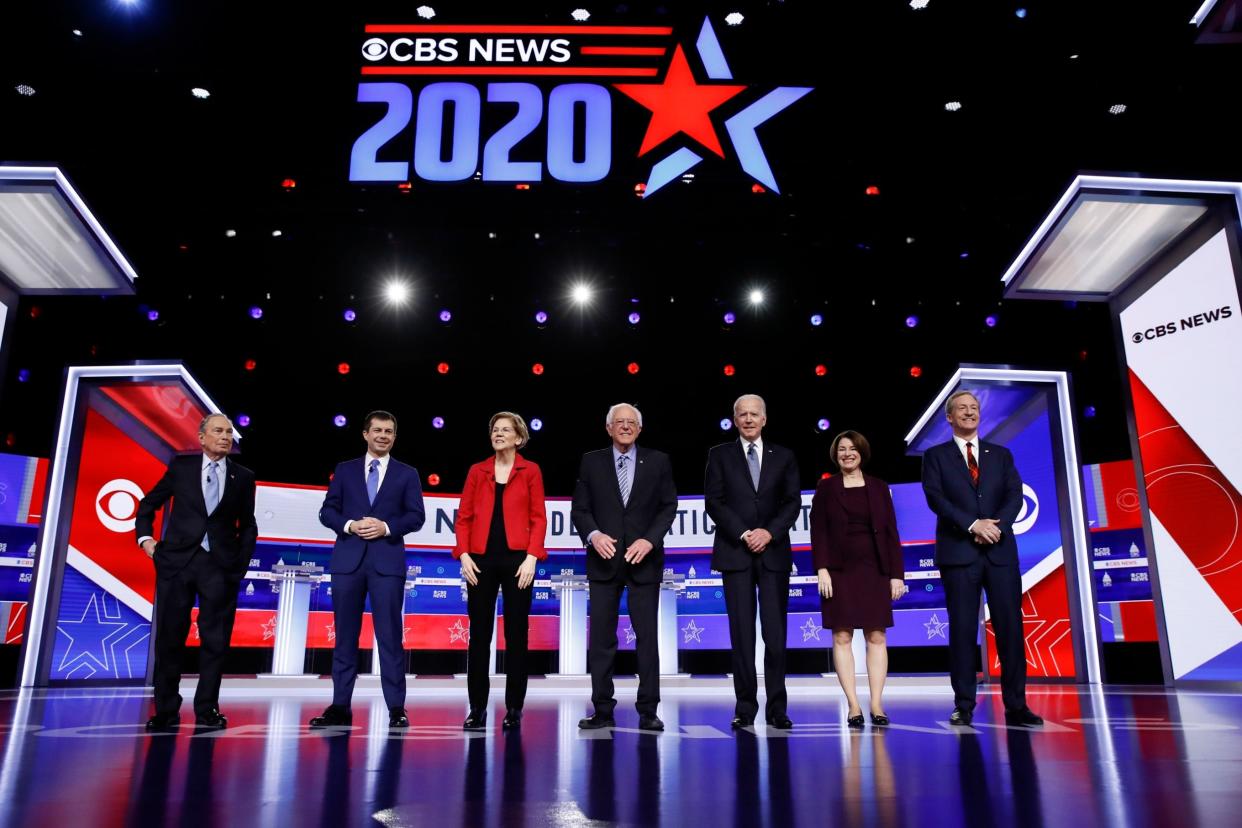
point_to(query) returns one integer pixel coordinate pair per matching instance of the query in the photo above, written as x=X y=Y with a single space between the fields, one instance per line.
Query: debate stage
x=1107 y=756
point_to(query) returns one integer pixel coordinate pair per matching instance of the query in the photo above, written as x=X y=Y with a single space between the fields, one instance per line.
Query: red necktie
x=972 y=464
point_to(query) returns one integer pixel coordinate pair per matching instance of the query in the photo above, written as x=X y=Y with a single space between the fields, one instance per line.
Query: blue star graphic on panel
x=681 y=105
x=692 y=632
x=90 y=638
x=811 y=630
x=935 y=627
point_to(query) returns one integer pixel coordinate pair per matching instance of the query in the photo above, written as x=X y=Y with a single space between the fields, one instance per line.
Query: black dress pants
x=498 y=573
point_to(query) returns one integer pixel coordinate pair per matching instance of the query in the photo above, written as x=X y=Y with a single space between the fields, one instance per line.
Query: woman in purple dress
x=857 y=554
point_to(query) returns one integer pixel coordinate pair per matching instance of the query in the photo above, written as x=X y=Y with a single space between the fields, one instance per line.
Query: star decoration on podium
x=935 y=627
x=692 y=632
x=680 y=105
x=269 y=628
x=331 y=630
x=457 y=632
x=811 y=630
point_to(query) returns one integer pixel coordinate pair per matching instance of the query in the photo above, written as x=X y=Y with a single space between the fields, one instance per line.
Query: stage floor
x=1120 y=756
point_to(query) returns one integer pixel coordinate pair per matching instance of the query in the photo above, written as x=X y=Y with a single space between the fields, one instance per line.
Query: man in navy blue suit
x=372 y=503
x=976 y=493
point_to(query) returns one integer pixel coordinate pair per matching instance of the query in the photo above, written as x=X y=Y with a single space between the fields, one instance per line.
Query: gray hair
x=948 y=404
x=202 y=426
x=763 y=407
x=613 y=410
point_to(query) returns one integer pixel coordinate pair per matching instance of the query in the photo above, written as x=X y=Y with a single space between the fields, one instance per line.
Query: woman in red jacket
x=858 y=558
x=500 y=528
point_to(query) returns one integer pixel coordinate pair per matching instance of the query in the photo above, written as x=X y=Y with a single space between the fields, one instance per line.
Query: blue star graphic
x=811 y=630
x=89 y=634
x=692 y=632
x=935 y=627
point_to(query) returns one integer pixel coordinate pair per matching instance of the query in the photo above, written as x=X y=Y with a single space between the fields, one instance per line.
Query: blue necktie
x=623 y=479
x=752 y=460
x=211 y=495
x=373 y=482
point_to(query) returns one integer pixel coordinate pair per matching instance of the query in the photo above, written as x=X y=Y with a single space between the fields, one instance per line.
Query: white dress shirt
x=366 y=471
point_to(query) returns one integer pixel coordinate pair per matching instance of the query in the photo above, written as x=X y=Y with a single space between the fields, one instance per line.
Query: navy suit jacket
x=649 y=514
x=736 y=505
x=958 y=503
x=399 y=503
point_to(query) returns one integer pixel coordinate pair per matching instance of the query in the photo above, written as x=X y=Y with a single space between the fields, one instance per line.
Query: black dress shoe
x=333 y=716
x=211 y=719
x=595 y=721
x=512 y=720
x=740 y=722
x=781 y=722
x=961 y=716
x=855 y=722
x=397 y=717
x=164 y=721
x=879 y=719
x=650 y=721
x=475 y=720
x=1023 y=718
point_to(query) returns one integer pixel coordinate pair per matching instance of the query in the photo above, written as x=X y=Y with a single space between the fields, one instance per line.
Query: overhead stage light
x=817 y=319
x=756 y=297
x=581 y=294
x=24 y=89
x=396 y=292
x=425 y=12
x=536 y=424
x=446 y=315
x=734 y=18
x=200 y=93
x=580 y=15
x=339 y=421
x=726 y=424
x=953 y=106
x=729 y=317
x=1116 y=109
x=437 y=422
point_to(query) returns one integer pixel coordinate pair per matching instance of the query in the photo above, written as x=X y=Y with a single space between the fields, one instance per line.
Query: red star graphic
x=680 y=105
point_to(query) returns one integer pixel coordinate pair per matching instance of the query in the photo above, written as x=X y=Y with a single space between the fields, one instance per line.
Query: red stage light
x=757 y=188
x=825 y=475
x=821 y=370
x=405 y=186
x=288 y=183
x=1082 y=355
x=729 y=370
x=342 y=368
x=639 y=189
x=35 y=312
x=10 y=439
x=632 y=367
x=433 y=480
x=916 y=371
x=537 y=369
x=251 y=365
x=521 y=186
x=873 y=190
x=442 y=368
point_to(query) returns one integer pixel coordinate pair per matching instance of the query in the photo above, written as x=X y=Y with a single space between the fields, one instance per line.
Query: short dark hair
x=519 y=425
x=860 y=443
x=379 y=414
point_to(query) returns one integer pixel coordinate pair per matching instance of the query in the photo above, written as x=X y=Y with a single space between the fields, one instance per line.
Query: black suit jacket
x=735 y=505
x=231 y=528
x=958 y=504
x=829 y=519
x=649 y=514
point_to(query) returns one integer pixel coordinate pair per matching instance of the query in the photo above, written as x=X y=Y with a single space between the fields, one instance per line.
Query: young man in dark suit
x=209 y=536
x=623 y=505
x=751 y=492
x=976 y=493
x=372 y=503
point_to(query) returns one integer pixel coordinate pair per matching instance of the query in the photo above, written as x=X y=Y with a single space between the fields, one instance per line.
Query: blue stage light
x=729 y=318
x=817 y=319
x=536 y=424
x=541 y=318
x=912 y=321
x=350 y=315
x=153 y=315
x=990 y=321
x=823 y=424
x=633 y=318
x=437 y=422
x=339 y=421
x=256 y=312
x=446 y=315
x=243 y=420
x=726 y=424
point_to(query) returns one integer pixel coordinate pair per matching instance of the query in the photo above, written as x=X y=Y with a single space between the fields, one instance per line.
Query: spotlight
x=639 y=189
x=1116 y=109
x=580 y=15
x=446 y=315
x=823 y=424
x=919 y=4
x=536 y=424
x=912 y=321
x=442 y=368
x=23 y=375
x=256 y=312
x=77 y=32
x=872 y=190
x=276 y=234
x=729 y=317
x=250 y=365
x=342 y=368
x=729 y=370
x=433 y=479
x=581 y=294
x=821 y=370
x=425 y=12
x=953 y=106
x=232 y=234
x=633 y=318
x=1020 y=13
x=990 y=321
x=339 y=421
x=541 y=318
x=726 y=424
x=632 y=368
x=916 y=371
x=1089 y=411
x=243 y=420
x=350 y=315
x=288 y=184
x=537 y=369
x=152 y=315
x=757 y=189
x=24 y=90
x=756 y=297
x=437 y=422
x=200 y=93
x=396 y=292
x=965 y=254
x=817 y=320
x=1082 y=355
x=734 y=18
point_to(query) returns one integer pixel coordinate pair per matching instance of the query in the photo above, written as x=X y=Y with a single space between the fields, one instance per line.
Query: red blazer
x=828 y=521
x=526 y=519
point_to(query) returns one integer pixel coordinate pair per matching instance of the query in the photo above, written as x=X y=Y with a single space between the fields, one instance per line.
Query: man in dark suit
x=751 y=493
x=209 y=536
x=372 y=503
x=623 y=505
x=976 y=493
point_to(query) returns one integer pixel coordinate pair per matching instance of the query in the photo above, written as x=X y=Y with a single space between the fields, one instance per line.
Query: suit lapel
x=635 y=477
x=764 y=476
x=959 y=462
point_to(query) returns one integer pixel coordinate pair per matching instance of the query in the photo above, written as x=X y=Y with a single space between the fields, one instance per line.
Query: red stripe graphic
x=434 y=28
x=652 y=51
x=630 y=72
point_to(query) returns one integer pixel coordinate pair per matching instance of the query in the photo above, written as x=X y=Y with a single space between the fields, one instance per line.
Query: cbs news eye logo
x=116 y=504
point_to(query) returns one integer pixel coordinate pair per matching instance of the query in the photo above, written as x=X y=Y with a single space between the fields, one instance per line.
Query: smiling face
x=963 y=415
x=380 y=435
x=505 y=435
x=848 y=457
x=624 y=428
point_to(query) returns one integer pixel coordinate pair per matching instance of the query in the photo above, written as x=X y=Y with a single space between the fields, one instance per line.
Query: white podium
x=294 y=582
x=573 y=594
x=672 y=585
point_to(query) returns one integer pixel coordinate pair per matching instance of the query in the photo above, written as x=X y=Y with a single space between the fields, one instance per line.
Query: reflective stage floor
x=1110 y=757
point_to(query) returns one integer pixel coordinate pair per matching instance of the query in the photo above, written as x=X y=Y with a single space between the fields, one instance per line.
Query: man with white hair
x=751 y=492
x=623 y=506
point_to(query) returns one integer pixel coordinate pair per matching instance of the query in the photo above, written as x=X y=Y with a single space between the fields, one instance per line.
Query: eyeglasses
x=630 y=423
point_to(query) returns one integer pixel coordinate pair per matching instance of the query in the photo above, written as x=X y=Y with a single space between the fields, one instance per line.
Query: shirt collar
x=383 y=461
x=961 y=442
x=617 y=455
x=207 y=461
x=758 y=444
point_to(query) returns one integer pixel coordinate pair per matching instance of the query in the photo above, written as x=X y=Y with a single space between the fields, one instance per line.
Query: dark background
x=960 y=193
